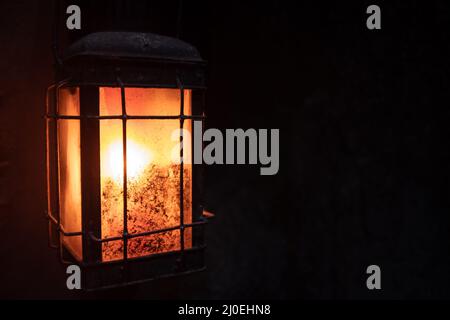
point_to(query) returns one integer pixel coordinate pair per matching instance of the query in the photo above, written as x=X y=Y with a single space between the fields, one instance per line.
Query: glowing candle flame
x=138 y=158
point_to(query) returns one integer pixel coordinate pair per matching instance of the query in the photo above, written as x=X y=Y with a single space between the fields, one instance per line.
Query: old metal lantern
x=124 y=202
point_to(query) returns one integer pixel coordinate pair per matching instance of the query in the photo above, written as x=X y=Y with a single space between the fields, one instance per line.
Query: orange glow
x=138 y=158
x=70 y=170
x=153 y=177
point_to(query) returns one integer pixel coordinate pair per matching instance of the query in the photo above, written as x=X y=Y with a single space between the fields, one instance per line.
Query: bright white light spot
x=138 y=158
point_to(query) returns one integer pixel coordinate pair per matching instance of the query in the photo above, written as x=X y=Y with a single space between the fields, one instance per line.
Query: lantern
x=124 y=196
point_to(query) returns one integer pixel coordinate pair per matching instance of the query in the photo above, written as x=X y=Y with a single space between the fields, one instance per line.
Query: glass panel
x=70 y=170
x=111 y=170
x=161 y=102
x=153 y=171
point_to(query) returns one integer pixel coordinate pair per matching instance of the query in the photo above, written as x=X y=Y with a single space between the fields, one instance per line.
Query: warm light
x=153 y=178
x=138 y=158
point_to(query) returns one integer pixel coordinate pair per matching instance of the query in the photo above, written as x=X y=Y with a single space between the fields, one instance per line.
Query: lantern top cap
x=133 y=45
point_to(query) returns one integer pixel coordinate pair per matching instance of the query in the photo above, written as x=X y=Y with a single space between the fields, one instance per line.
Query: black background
x=363 y=119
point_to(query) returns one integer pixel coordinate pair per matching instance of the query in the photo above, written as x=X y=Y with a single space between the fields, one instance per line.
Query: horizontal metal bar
x=61 y=229
x=74 y=83
x=122 y=117
x=143 y=234
x=151 y=256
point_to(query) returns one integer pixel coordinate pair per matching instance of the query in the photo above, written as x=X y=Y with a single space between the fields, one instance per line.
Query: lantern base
x=109 y=275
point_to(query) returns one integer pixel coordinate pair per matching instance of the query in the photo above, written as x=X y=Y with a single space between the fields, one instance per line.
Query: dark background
x=363 y=118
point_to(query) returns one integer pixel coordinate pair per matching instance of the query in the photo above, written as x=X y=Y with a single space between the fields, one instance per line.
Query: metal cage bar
x=48 y=149
x=148 y=233
x=125 y=179
x=182 y=227
x=120 y=117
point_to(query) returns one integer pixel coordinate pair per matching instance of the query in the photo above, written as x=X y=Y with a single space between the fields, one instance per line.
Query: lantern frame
x=123 y=60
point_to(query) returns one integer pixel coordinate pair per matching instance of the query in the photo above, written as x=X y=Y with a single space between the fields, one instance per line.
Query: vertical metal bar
x=198 y=103
x=125 y=187
x=58 y=207
x=50 y=180
x=90 y=171
x=201 y=175
x=180 y=86
x=58 y=190
x=52 y=174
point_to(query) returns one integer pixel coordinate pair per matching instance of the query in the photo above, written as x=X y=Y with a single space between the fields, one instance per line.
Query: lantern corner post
x=90 y=174
x=51 y=156
x=198 y=112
